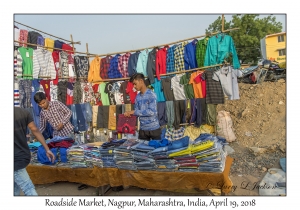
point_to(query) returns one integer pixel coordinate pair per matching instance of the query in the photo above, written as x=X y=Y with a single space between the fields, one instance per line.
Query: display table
x=156 y=180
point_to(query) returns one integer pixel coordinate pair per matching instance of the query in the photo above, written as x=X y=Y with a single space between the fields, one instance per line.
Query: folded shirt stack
x=76 y=156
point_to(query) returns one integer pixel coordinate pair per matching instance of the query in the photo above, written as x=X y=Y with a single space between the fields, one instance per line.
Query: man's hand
x=50 y=156
x=60 y=126
x=128 y=114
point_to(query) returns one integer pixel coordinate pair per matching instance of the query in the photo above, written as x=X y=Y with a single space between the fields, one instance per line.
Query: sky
x=118 y=33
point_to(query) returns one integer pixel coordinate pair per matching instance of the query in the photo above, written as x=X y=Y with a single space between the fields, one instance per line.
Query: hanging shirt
x=71 y=65
x=94 y=71
x=200 y=51
x=177 y=88
x=188 y=88
x=97 y=95
x=141 y=66
x=87 y=92
x=113 y=71
x=81 y=64
x=158 y=90
x=198 y=80
x=16 y=94
x=46 y=88
x=219 y=48
x=23 y=37
x=126 y=97
x=63 y=64
x=49 y=43
x=118 y=95
x=104 y=66
x=40 y=41
x=190 y=55
x=32 y=38
x=170 y=59
x=17 y=36
x=58 y=44
x=132 y=63
x=214 y=92
x=43 y=64
x=123 y=64
x=161 y=62
x=131 y=91
x=67 y=48
x=228 y=78
x=110 y=92
x=27 y=61
x=55 y=56
x=70 y=88
x=53 y=91
x=18 y=64
x=151 y=65
x=103 y=94
x=179 y=56
x=197 y=86
x=166 y=87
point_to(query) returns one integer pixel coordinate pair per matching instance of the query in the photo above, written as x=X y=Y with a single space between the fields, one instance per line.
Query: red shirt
x=132 y=93
x=46 y=86
x=161 y=61
x=55 y=56
x=67 y=47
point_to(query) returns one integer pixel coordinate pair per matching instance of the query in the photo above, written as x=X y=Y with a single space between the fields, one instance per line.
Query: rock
x=257 y=151
x=248 y=133
x=281 y=102
x=250 y=164
x=251 y=88
x=228 y=149
x=258 y=166
x=281 y=81
x=272 y=171
x=264 y=169
x=282 y=148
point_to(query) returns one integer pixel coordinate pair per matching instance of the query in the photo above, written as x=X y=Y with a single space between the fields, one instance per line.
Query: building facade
x=273 y=47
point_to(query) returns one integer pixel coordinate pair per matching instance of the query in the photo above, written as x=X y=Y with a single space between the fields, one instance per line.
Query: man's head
x=138 y=81
x=41 y=99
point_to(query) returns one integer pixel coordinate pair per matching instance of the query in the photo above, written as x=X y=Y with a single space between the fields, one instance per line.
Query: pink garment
x=23 y=37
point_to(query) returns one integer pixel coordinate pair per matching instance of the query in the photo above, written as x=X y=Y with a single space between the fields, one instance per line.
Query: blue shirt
x=158 y=90
x=113 y=71
x=170 y=59
x=190 y=55
x=145 y=108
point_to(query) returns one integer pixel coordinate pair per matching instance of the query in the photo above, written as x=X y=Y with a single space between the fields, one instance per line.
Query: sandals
x=81 y=187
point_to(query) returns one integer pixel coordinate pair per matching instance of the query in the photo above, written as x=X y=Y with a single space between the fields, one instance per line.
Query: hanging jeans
x=35 y=88
x=80 y=118
x=23 y=182
x=74 y=118
x=170 y=112
x=201 y=112
x=25 y=93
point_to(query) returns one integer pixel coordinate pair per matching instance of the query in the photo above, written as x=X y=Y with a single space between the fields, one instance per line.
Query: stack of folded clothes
x=76 y=156
x=123 y=156
x=142 y=159
x=92 y=156
x=107 y=152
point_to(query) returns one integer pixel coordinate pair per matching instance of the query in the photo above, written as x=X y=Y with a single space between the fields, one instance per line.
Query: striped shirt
x=179 y=56
x=43 y=64
x=18 y=64
x=56 y=114
x=145 y=108
x=178 y=89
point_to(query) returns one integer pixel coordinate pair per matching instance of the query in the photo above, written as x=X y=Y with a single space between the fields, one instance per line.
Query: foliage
x=251 y=30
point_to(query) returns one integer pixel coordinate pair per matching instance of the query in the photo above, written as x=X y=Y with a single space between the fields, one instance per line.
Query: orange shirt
x=196 y=86
x=94 y=71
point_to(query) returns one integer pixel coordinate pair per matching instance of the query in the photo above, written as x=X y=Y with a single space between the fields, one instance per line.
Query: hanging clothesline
x=101 y=55
x=49 y=34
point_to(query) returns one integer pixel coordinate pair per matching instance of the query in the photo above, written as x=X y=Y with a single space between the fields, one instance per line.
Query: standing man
x=22 y=156
x=56 y=113
x=145 y=108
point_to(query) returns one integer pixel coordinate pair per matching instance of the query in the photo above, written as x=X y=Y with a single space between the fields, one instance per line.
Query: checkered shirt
x=172 y=134
x=170 y=59
x=104 y=66
x=200 y=52
x=113 y=71
x=123 y=64
x=179 y=56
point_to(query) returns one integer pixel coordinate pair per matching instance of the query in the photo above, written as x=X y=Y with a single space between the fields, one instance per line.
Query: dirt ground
x=259 y=120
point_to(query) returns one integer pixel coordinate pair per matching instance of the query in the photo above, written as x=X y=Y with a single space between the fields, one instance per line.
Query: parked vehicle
x=274 y=72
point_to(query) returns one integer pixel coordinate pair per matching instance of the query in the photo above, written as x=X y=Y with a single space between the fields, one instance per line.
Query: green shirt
x=188 y=88
x=103 y=95
x=27 y=61
x=200 y=51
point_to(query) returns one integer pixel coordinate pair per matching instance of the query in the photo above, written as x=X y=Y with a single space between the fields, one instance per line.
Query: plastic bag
x=225 y=126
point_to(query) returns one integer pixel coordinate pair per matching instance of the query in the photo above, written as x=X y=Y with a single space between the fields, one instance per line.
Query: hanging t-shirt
x=228 y=78
x=87 y=92
x=188 y=88
x=214 y=92
x=109 y=91
x=32 y=38
x=16 y=94
x=197 y=86
x=198 y=80
x=177 y=88
x=46 y=87
x=49 y=43
x=131 y=91
x=55 y=56
x=64 y=66
x=166 y=87
x=118 y=95
x=103 y=94
x=160 y=97
x=97 y=95
x=27 y=61
x=53 y=91
x=70 y=87
x=126 y=97
x=81 y=64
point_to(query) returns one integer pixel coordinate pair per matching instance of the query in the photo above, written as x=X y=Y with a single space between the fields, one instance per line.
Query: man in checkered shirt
x=56 y=113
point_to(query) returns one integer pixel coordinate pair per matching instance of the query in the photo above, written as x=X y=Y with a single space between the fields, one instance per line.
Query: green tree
x=251 y=30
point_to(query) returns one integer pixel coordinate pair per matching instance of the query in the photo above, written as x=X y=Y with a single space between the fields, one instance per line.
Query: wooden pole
x=222 y=23
x=72 y=43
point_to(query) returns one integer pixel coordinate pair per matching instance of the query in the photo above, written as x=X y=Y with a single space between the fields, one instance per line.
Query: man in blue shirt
x=145 y=108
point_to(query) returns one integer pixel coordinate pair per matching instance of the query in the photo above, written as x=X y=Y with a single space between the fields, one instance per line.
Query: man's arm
x=67 y=113
x=35 y=131
x=150 y=111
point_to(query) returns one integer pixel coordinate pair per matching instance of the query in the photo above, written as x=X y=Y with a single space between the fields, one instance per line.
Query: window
x=281 y=38
x=281 y=52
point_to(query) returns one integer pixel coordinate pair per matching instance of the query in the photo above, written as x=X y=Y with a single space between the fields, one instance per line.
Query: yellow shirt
x=192 y=132
x=49 y=43
x=94 y=71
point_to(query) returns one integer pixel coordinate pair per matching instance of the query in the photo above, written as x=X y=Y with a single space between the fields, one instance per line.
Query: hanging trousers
x=162 y=115
x=25 y=93
x=118 y=111
x=199 y=112
x=62 y=91
x=80 y=118
x=102 y=116
x=112 y=121
x=77 y=93
x=170 y=112
x=179 y=112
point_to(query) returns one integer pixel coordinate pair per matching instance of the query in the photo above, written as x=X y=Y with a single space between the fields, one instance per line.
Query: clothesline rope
x=49 y=34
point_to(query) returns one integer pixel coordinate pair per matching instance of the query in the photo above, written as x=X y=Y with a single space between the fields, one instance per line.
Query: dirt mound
x=259 y=119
